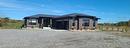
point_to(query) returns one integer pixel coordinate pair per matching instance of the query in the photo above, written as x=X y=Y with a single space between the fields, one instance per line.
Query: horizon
x=110 y=11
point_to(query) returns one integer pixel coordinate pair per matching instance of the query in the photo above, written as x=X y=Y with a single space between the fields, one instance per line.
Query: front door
x=46 y=22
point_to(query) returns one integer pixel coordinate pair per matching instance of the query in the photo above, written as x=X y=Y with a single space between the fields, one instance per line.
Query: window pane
x=85 y=22
x=32 y=21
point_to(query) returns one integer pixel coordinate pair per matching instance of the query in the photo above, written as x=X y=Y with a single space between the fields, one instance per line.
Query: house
x=74 y=21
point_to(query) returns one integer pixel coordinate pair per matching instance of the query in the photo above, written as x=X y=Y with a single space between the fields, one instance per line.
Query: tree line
x=121 y=23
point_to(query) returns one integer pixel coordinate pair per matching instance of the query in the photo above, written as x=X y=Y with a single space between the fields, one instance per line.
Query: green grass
x=11 y=25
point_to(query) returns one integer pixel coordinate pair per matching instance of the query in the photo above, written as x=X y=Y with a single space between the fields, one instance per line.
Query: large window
x=85 y=22
x=32 y=21
x=73 y=24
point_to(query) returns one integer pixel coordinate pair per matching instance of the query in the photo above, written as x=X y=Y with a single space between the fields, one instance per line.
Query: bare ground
x=60 y=39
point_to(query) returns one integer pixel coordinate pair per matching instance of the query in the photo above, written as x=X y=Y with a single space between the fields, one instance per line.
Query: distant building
x=74 y=21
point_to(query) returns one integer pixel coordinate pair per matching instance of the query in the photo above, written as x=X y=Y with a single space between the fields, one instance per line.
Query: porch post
x=37 y=23
x=70 y=24
x=27 y=23
x=50 y=22
x=80 y=24
x=42 y=23
x=76 y=24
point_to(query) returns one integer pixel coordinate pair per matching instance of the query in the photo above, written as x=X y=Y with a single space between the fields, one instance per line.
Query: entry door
x=46 y=22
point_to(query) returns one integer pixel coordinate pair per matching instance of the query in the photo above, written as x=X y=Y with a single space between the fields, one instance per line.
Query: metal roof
x=62 y=16
x=41 y=15
x=77 y=14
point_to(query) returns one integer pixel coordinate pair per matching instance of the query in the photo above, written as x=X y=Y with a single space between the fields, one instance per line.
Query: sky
x=110 y=11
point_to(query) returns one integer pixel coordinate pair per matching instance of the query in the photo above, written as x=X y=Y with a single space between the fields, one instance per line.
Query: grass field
x=11 y=25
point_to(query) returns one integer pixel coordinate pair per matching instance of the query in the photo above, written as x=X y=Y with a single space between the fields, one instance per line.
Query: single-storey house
x=74 y=21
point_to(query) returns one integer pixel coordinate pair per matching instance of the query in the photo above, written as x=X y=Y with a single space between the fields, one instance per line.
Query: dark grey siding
x=67 y=22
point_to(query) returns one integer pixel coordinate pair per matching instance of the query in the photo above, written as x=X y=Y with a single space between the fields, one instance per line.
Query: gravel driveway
x=60 y=39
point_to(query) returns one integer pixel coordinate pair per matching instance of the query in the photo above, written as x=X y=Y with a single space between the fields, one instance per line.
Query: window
x=32 y=21
x=73 y=24
x=85 y=22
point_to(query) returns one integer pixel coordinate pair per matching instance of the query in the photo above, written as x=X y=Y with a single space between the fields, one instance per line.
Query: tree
x=122 y=23
x=6 y=19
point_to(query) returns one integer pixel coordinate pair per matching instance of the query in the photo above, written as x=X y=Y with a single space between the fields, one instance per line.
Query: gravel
x=34 y=38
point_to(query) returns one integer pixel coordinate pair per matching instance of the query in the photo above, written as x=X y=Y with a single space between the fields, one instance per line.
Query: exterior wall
x=79 y=24
x=68 y=22
x=73 y=24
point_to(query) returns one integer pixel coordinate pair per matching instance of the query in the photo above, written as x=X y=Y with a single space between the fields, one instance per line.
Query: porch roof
x=41 y=15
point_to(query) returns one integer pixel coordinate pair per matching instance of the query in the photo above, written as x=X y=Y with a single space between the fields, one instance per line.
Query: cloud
x=11 y=5
x=20 y=5
x=17 y=6
x=8 y=5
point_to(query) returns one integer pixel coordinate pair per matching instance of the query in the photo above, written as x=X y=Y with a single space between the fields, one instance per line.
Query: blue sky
x=108 y=10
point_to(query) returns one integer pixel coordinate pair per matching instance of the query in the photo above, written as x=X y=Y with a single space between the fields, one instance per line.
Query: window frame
x=86 y=21
x=32 y=21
